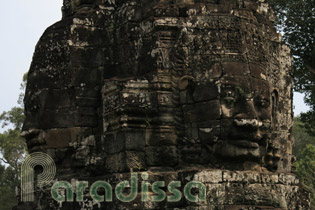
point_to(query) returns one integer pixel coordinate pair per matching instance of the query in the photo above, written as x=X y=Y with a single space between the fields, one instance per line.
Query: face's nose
x=248 y=123
x=247 y=115
x=246 y=110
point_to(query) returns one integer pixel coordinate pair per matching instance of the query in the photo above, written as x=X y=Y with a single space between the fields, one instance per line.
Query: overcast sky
x=22 y=24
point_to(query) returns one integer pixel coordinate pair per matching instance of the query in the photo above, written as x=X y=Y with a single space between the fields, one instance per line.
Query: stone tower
x=183 y=90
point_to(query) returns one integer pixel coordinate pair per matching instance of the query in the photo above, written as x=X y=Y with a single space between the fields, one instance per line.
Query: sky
x=22 y=24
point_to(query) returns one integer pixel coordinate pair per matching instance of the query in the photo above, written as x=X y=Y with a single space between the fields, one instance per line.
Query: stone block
x=287 y=179
x=209 y=176
x=85 y=117
x=215 y=193
x=135 y=140
x=114 y=143
x=86 y=76
x=87 y=57
x=56 y=118
x=194 y=154
x=135 y=160
x=205 y=92
x=87 y=102
x=234 y=193
x=161 y=137
x=55 y=98
x=269 y=178
x=233 y=176
x=235 y=68
x=61 y=138
x=116 y=163
x=161 y=156
x=90 y=91
x=259 y=194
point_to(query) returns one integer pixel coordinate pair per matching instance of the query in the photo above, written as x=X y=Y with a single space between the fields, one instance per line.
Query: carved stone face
x=199 y=96
x=246 y=115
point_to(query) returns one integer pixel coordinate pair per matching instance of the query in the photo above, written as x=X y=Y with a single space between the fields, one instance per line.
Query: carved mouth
x=34 y=143
x=33 y=139
x=243 y=136
x=244 y=143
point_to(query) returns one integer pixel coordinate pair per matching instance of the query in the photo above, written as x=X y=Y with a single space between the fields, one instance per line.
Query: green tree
x=305 y=169
x=12 y=149
x=12 y=152
x=301 y=136
x=296 y=19
x=304 y=150
x=8 y=182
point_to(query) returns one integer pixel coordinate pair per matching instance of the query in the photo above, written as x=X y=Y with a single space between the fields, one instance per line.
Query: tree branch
x=5 y=161
x=312 y=70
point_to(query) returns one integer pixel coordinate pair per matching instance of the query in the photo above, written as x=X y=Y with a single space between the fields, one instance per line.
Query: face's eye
x=228 y=94
x=228 y=98
x=261 y=102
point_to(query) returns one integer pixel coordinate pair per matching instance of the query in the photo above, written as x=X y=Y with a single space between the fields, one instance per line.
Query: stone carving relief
x=163 y=87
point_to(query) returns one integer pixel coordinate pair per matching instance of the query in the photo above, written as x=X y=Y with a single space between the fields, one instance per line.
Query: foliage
x=14 y=117
x=8 y=182
x=301 y=136
x=304 y=150
x=12 y=151
x=305 y=169
x=296 y=19
x=309 y=119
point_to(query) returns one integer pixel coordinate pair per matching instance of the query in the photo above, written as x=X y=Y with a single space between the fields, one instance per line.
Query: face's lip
x=34 y=142
x=248 y=122
x=244 y=143
x=253 y=123
x=32 y=138
x=35 y=145
x=257 y=136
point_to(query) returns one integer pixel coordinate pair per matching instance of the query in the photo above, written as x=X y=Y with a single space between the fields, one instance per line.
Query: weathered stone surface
x=239 y=193
x=184 y=90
